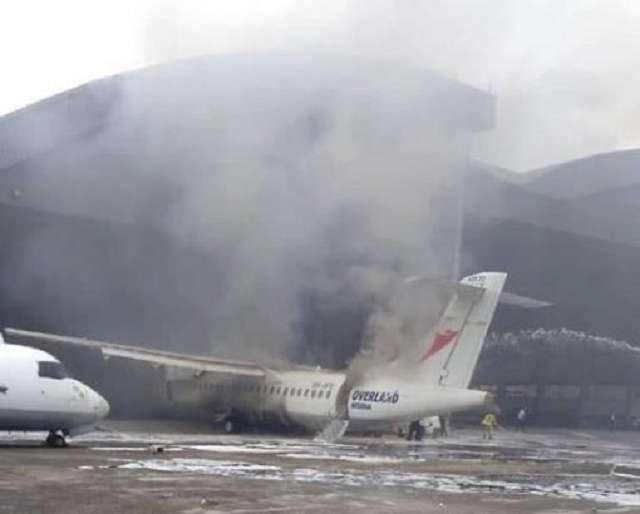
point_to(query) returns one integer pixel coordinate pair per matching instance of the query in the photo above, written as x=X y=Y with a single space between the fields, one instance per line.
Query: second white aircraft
x=37 y=394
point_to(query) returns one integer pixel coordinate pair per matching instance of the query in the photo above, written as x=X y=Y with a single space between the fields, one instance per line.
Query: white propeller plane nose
x=37 y=394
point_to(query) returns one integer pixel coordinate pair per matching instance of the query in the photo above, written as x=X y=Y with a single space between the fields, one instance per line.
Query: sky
x=564 y=72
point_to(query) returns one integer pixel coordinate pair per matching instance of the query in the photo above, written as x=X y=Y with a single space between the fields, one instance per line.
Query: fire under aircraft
x=434 y=381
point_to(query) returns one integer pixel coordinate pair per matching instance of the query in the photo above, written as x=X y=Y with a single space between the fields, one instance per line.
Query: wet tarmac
x=178 y=468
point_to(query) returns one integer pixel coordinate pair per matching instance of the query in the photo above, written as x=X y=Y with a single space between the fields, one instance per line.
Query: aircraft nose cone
x=102 y=406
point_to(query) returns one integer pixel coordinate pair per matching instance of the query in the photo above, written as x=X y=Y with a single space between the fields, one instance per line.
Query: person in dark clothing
x=444 y=425
x=416 y=431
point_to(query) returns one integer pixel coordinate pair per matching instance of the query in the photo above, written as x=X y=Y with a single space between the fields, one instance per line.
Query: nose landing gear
x=56 y=439
x=231 y=425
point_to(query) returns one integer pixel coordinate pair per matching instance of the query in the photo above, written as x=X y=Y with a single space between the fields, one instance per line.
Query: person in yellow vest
x=489 y=423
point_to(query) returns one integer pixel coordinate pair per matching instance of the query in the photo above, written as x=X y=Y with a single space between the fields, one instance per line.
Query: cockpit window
x=52 y=369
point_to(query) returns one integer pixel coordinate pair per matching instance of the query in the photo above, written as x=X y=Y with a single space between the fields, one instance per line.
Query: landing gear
x=56 y=439
x=231 y=425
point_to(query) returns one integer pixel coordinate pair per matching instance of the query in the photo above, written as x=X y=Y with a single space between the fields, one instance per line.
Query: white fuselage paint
x=308 y=398
x=434 y=381
x=31 y=401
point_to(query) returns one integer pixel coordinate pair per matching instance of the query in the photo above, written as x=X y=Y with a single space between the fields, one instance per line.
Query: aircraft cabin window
x=272 y=389
x=313 y=394
x=286 y=390
x=306 y=393
x=299 y=392
x=51 y=369
x=277 y=390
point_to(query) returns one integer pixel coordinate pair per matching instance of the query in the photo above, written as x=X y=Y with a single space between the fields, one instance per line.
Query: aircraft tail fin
x=451 y=352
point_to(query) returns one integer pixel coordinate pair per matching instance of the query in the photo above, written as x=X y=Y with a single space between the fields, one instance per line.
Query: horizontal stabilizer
x=469 y=291
x=466 y=290
x=522 y=301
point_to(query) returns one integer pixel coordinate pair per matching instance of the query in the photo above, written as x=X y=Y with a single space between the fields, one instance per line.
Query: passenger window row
x=263 y=389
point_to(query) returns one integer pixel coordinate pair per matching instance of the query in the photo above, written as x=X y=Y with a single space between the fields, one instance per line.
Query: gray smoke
x=276 y=174
x=296 y=183
x=559 y=70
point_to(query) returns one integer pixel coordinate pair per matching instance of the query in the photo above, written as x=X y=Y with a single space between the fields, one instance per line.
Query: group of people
x=437 y=426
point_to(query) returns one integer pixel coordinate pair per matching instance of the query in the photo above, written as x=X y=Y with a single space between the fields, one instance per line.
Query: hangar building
x=97 y=186
x=569 y=234
x=92 y=182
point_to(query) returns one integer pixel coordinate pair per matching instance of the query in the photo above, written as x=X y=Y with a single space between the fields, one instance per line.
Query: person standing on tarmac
x=443 y=429
x=416 y=431
x=521 y=419
x=489 y=423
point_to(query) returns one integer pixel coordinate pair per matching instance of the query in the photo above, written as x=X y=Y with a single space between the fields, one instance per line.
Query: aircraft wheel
x=56 y=440
x=231 y=426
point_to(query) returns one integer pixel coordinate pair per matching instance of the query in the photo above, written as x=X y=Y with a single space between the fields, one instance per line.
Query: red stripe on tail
x=440 y=340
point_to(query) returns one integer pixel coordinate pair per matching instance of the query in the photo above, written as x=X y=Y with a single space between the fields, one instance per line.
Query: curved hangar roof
x=88 y=108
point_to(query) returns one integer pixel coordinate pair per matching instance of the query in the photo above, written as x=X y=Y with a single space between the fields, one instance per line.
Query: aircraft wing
x=157 y=357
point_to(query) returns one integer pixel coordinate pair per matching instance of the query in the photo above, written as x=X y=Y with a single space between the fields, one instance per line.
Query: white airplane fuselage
x=431 y=376
x=37 y=395
x=308 y=398
x=432 y=380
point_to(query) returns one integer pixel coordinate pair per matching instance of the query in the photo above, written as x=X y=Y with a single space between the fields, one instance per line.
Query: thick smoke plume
x=276 y=173
x=296 y=180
